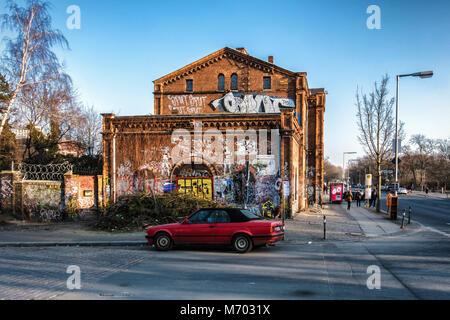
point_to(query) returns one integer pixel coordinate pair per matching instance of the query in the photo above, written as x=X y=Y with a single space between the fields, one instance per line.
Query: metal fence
x=38 y=172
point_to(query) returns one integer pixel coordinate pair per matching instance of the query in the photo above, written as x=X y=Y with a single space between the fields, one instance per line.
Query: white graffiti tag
x=238 y=103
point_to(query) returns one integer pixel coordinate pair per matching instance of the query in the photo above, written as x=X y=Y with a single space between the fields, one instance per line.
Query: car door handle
x=211 y=227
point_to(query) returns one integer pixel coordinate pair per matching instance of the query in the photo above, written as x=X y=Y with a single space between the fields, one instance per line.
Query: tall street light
x=343 y=163
x=422 y=75
x=348 y=170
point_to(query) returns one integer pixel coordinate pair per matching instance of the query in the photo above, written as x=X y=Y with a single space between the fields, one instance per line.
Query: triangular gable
x=217 y=56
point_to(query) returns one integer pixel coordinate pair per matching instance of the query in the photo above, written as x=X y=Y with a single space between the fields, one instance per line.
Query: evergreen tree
x=8 y=147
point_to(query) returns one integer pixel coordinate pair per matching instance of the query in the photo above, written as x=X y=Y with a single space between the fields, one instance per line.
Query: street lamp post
x=422 y=75
x=348 y=170
x=343 y=163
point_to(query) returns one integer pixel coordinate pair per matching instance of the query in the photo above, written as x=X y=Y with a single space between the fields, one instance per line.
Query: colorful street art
x=253 y=103
x=199 y=187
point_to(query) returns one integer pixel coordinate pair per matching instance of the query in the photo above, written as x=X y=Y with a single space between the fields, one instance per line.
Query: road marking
x=432 y=229
x=437 y=231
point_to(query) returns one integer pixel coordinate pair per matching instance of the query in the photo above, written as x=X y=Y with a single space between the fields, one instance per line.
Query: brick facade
x=226 y=92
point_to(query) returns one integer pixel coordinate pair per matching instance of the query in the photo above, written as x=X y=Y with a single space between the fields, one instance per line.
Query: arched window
x=221 y=82
x=234 y=81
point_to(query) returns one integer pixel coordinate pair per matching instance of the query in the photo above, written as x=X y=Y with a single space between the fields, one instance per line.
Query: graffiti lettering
x=239 y=103
x=187 y=104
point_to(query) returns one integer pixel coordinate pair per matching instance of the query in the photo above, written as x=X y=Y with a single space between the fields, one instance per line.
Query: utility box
x=394 y=208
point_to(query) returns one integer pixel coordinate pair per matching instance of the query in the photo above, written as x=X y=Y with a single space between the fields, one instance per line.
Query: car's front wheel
x=163 y=242
x=242 y=243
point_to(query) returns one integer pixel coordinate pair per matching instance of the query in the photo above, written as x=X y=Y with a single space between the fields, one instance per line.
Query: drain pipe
x=114 y=167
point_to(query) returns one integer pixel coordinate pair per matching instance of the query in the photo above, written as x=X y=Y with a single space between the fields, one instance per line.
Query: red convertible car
x=237 y=227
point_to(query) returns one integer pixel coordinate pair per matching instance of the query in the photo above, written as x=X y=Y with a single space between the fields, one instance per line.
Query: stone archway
x=192 y=167
x=195 y=176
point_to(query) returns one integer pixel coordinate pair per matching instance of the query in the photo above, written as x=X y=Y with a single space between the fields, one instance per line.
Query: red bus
x=337 y=191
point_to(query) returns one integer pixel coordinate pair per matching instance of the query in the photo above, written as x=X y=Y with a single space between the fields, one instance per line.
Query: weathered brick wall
x=48 y=200
x=85 y=191
x=144 y=160
x=42 y=200
x=316 y=111
x=171 y=95
x=137 y=149
x=7 y=180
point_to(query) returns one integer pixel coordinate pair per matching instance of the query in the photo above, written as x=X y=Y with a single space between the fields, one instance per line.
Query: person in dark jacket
x=374 y=197
x=358 y=198
x=349 y=199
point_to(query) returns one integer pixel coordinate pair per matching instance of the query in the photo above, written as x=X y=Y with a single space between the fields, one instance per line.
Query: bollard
x=403 y=219
x=324 y=227
x=409 y=215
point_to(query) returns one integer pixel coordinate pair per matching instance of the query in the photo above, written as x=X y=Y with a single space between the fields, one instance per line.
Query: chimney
x=242 y=50
x=270 y=59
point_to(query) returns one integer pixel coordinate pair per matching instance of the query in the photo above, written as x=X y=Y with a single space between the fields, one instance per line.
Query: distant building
x=72 y=148
x=65 y=147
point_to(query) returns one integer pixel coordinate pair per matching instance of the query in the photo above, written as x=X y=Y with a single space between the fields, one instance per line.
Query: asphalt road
x=430 y=211
x=412 y=266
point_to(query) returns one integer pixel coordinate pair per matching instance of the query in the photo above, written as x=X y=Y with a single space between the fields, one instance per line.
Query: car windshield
x=250 y=215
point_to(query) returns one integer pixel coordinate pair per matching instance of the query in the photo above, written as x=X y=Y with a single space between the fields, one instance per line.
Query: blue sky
x=123 y=46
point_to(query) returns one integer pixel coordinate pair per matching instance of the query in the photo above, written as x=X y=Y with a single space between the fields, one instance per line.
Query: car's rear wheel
x=163 y=242
x=242 y=243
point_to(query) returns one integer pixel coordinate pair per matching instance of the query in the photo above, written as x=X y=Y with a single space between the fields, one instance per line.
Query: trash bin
x=394 y=208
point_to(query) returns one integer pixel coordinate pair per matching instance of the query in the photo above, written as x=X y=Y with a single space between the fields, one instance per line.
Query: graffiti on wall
x=251 y=103
x=6 y=188
x=43 y=201
x=187 y=104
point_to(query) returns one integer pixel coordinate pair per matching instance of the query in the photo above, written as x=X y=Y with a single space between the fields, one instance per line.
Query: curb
x=400 y=231
x=73 y=244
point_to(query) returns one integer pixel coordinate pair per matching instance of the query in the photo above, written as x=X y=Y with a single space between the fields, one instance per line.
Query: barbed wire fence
x=39 y=172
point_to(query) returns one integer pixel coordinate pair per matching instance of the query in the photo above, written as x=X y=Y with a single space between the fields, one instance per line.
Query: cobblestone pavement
x=40 y=273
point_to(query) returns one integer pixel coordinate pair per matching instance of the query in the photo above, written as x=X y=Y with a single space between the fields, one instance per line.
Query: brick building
x=228 y=127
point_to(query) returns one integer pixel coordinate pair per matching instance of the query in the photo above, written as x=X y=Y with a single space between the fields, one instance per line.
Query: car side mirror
x=186 y=221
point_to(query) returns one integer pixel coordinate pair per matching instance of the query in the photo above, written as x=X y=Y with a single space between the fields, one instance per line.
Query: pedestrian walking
x=389 y=202
x=374 y=197
x=349 y=199
x=358 y=197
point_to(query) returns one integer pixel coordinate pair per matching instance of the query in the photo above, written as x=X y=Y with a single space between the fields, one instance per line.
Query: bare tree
x=376 y=125
x=423 y=154
x=48 y=103
x=28 y=59
x=330 y=171
x=89 y=131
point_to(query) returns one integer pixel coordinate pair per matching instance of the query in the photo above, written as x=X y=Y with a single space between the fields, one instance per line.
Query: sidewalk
x=355 y=224
x=375 y=224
